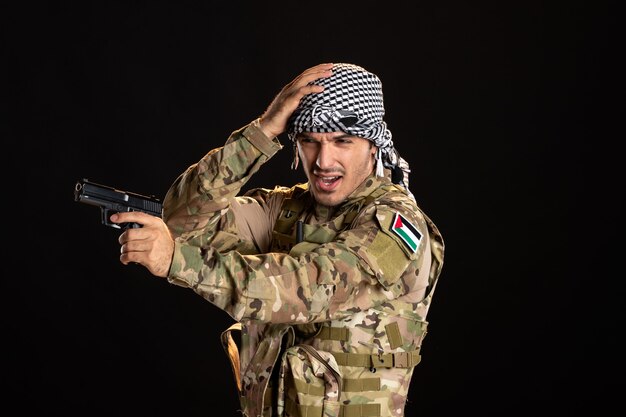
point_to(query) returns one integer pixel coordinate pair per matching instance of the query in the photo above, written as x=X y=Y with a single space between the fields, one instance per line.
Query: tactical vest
x=359 y=368
x=290 y=229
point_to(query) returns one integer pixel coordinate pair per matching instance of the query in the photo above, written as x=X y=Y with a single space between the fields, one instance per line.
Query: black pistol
x=111 y=200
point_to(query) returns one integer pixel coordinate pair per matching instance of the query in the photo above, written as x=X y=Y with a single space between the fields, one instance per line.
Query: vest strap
x=360 y=385
x=232 y=350
x=349 y=385
x=334 y=333
x=345 y=410
x=385 y=360
x=309 y=389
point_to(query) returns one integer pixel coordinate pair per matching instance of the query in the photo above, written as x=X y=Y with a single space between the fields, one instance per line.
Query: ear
x=296 y=155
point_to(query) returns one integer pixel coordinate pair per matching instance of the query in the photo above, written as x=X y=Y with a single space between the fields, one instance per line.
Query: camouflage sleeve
x=365 y=266
x=196 y=199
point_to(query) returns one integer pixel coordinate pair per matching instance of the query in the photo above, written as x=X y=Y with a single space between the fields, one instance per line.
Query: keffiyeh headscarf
x=352 y=102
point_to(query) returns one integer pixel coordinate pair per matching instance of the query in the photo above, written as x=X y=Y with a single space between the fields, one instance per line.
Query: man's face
x=335 y=164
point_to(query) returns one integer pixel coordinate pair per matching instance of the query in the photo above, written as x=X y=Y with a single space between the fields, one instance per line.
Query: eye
x=343 y=141
x=306 y=141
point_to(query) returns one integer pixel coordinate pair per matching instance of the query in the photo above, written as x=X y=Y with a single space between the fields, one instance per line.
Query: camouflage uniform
x=331 y=325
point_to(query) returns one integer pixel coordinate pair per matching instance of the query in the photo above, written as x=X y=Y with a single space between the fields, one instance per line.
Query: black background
x=506 y=111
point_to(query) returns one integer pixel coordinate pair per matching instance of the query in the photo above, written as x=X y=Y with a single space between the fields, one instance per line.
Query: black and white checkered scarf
x=352 y=102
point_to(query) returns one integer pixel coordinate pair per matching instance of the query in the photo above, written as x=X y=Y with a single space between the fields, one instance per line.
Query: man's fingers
x=133 y=217
x=300 y=84
x=136 y=246
x=133 y=257
x=274 y=119
x=318 y=71
x=150 y=245
x=136 y=251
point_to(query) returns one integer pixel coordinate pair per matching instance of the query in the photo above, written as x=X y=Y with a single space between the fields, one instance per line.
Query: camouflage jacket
x=331 y=302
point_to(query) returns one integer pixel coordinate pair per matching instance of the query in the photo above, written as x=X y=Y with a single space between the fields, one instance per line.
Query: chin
x=329 y=201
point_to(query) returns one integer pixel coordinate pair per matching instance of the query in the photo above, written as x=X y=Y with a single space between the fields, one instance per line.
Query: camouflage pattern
x=347 y=304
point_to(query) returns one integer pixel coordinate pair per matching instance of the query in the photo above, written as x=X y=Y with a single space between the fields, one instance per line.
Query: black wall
x=507 y=113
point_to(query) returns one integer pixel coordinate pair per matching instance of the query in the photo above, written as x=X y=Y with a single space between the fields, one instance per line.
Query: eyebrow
x=303 y=135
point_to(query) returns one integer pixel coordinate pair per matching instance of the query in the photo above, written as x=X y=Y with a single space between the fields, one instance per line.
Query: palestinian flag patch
x=405 y=230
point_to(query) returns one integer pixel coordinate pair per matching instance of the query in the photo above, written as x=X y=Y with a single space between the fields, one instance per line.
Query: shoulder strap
x=290 y=211
x=358 y=207
x=232 y=350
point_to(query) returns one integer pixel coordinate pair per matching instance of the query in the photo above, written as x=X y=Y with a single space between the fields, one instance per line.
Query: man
x=329 y=281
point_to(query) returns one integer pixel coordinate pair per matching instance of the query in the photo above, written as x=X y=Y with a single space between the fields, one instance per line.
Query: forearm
x=273 y=287
x=317 y=285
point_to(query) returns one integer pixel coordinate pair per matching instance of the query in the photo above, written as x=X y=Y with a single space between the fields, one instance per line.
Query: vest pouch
x=309 y=384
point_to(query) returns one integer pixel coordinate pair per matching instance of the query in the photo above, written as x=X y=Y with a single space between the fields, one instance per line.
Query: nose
x=325 y=156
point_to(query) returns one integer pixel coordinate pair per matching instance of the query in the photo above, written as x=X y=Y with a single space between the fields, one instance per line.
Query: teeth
x=329 y=179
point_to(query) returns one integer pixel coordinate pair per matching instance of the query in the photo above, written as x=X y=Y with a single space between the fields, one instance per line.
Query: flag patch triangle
x=405 y=230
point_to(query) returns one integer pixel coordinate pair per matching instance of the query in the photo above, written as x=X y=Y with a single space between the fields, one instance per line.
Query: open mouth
x=328 y=183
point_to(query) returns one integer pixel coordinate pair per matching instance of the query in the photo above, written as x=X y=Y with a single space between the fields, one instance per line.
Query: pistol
x=111 y=201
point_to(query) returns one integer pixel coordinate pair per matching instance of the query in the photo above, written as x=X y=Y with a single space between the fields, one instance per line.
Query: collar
x=371 y=184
